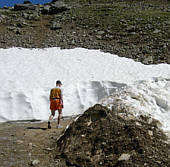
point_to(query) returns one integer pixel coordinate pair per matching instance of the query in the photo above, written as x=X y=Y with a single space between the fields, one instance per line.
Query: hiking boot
x=49 y=126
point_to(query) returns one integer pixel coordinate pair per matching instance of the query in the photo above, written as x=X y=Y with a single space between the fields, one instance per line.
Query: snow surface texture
x=151 y=98
x=27 y=75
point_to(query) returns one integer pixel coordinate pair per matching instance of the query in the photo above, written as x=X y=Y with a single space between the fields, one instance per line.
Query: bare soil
x=102 y=137
x=23 y=142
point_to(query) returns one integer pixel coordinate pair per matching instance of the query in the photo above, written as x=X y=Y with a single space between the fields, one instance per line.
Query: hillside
x=134 y=29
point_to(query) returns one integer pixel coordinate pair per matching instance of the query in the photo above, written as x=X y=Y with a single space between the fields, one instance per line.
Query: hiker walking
x=56 y=103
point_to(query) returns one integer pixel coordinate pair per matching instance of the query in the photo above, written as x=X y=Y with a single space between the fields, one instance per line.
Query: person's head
x=58 y=83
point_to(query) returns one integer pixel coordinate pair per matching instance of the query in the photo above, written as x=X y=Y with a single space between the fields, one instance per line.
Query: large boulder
x=26 y=6
x=56 y=26
x=55 y=8
x=100 y=137
x=27 y=2
x=45 y=9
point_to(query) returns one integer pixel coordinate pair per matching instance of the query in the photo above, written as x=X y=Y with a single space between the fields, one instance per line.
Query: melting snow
x=27 y=75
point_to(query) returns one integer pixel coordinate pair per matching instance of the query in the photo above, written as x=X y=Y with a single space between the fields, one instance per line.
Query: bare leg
x=59 y=116
x=50 y=118
x=52 y=115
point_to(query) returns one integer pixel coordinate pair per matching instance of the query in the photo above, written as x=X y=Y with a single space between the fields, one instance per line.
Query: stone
x=58 y=7
x=35 y=162
x=159 y=124
x=130 y=28
x=56 y=26
x=27 y=2
x=138 y=124
x=5 y=7
x=17 y=31
x=34 y=16
x=150 y=132
x=48 y=149
x=156 y=31
x=2 y=16
x=30 y=145
x=25 y=15
x=11 y=28
x=45 y=9
x=100 y=32
x=98 y=37
x=55 y=8
x=19 y=142
x=19 y=7
x=124 y=157
x=148 y=60
x=168 y=58
x=20 y=25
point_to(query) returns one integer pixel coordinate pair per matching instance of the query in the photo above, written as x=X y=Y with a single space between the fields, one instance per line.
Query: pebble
x=30 y=145
x=20 y=141
x=150 y=132
x=35 y=162
x=124 y=157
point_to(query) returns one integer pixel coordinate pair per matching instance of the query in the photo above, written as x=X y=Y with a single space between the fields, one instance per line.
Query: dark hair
x=58 y=82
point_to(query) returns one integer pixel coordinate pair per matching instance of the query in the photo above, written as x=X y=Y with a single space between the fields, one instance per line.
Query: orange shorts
x=56 y=104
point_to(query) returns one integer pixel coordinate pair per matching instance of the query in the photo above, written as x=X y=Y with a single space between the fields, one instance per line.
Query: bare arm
x=50 y=95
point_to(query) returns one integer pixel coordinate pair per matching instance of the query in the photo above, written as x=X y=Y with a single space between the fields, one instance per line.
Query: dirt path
x=22 y=144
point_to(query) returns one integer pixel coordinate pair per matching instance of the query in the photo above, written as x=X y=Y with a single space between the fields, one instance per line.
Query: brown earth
x=23 y=143
x=102 y=137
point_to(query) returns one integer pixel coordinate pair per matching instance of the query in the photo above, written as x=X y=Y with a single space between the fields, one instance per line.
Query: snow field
x=27 y=75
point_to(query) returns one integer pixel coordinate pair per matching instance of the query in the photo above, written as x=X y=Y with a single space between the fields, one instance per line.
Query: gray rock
x=11 y=28
x=30 y=145
x=20 y=141
x=58 y=7
x=5 y=7
x=55 y=8
x=100 y=32
x=156 y=31
x=14 y=29
x=150 y=132
x=98 y=37
x=124 y=157
x=131 y=28
x=17 y=31
x=35 y=162
x=56 y=26
x=25 y=15
x=168 y=58
x=27 y=2
x=45 y=9
x=148 y=60
x=34 y=16
x=2 y=16
x=19 y=7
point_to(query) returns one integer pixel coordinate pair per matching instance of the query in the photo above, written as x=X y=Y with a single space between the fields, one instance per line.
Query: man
x=56 y=103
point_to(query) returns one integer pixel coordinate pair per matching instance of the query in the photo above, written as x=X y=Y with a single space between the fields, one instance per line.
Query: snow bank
x=151 y=98
x=87 y=75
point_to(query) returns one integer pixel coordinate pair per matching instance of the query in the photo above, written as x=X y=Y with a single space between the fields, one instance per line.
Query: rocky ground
x=134 y=29
x=25 y=144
